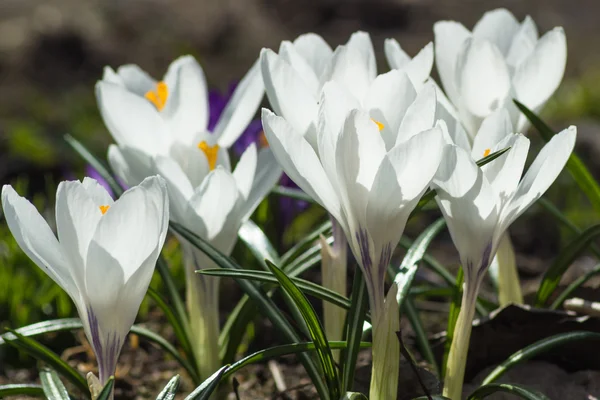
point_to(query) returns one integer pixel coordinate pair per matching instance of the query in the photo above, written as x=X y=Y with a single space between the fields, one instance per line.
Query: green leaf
x=106 y=392
x=263 y=302
x=42 y=353
x=412 y=315
x=69 y=324
x=283 y=350
x=573 y=286
x=292 y=193
x=307 y=287
x=52 y=385
x=258 y=243
x=520 y=391
x=204 y=391
x=453 y=317
x=95 y=163
x=234 y=329
x=414 y=256
x=354 y=328
x=553 y=275
x=575 y=166
x=433 y=397
x=170 y=390
x=302 y=245
x=21 y=390
x=315 y=329
x=536 y=349
x=178 y=329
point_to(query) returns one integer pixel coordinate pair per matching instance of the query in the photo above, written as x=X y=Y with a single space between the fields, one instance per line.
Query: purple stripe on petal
x=363 y=244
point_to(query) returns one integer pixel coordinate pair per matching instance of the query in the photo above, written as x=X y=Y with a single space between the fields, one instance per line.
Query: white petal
x=420 y=115
x=288 y=52
x=541 y=174
x=132 y=120
x=388 y=100
x=97 y=192
x=215 y=199
x=130 y=164
x=136 y=80
x=315 y=51
x=359 y=152
x=267 y=175
x=300 y=162
x=498 y=26
x=180 y=188
x=482 y=77
x=36 y=239
x=493 y=129
x=449 y=39
x=77 y=216
x=395 y=56
x=361 y=41
x=287 y=94
x=469 y=207
x=245 y=170
x=538 y=77
x=192 y=161
x=523 y=43
x=187 y=103
x=109 y=75
x=456 y=132
x=242 y=107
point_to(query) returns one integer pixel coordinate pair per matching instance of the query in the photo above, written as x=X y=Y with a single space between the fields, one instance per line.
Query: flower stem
x=333 y=276
x=457 y=358
x=509 y=286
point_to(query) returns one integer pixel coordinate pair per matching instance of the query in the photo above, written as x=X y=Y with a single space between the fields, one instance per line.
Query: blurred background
x=52 y=52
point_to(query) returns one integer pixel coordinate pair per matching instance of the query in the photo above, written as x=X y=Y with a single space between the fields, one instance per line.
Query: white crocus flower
x=104 y=256
x=170 y=117
x=500 y=60
x=417 y=68
x=294 y=78
x=479 y=204
x=370 y=190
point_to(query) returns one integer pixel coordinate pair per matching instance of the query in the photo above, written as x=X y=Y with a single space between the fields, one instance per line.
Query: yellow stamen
x=211 y=153
x=380 y=126
x=486 y=152
x=262 y=140
x=104 y=209
x=158 y=96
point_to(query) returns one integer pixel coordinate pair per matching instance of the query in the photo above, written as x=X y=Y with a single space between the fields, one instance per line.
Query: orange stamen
x=104 y=209
x=211 y=153
x=262 y=140
x=380 y=126
x=158 y=96
x=486 y=152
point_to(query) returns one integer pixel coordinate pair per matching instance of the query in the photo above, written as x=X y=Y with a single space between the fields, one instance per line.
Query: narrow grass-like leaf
x=178 y=329
x=315 y=329
x=354 y=328
x=106 y=392
x=536 y=349
x=52 y=385
x=292 y=193
x=283 y=350
x=307 y=287
x=519 y=391
x=412 y=315
x=573 y=286
x=234 y=328
x=553 y=275
x=21 y=390
x=308 y=259
x=406 y=272
x=575 y=166
x=266 y=305
x=170 y=390
x=307 y=241
x=95 y=163
x=258 y=243
x=354 y=396
x=562 y=218
x=453 y=317
x=204 y=391
x=42 y=353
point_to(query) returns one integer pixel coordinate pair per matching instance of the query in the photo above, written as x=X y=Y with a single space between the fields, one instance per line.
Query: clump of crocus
x=104 y=255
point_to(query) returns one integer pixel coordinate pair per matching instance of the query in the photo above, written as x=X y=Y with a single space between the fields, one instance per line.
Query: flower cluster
x=364 y=145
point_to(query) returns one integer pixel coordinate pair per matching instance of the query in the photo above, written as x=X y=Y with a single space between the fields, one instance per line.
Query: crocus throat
x=262 y=140
x=158 y=96
x=380 y=126
x=486 y=152
x=104 y=209
x=211 y=153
